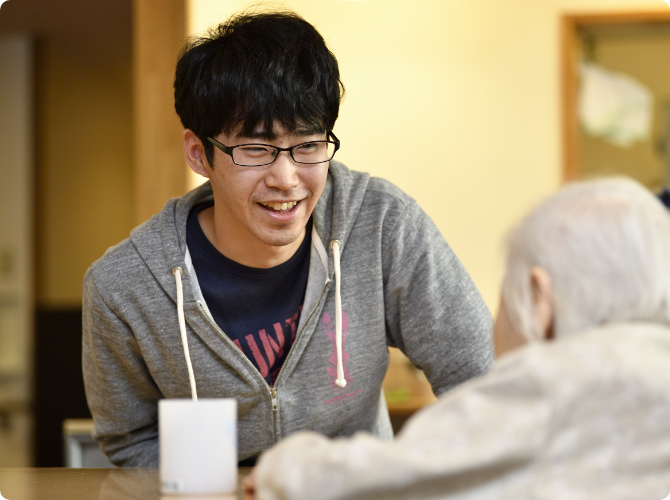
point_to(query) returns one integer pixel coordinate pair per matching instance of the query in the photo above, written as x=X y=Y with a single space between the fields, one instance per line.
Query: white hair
x=606 y=246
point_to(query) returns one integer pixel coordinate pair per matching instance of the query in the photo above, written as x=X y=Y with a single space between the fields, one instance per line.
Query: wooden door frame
x=570 y=25
x=159 y=33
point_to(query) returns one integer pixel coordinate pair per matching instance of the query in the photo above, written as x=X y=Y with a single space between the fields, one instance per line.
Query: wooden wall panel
x=159 y=31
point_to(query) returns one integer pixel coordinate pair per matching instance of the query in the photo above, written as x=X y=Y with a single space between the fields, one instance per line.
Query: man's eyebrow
x=258 y=134
x=262 y=134
x=309 y=131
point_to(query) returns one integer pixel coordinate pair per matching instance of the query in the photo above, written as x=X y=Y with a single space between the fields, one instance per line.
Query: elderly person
x=578 y=403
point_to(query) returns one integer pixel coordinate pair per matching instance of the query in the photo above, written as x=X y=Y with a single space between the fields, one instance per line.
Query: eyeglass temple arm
x=222 y=147
x=335 y=139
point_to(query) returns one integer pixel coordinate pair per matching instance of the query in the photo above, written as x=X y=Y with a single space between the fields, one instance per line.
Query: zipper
x=226 y=339
x=271 y=389
x=300 y=331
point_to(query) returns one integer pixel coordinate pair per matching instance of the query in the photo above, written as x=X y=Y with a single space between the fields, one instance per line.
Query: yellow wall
x=82 y=136
x=84 y=156
x=475 y=82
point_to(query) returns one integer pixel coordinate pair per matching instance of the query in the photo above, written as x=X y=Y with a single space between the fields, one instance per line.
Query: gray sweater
x=584 y=417
x=401 y=286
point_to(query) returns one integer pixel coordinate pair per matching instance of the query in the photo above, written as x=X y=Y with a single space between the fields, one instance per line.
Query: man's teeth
x=281 y=206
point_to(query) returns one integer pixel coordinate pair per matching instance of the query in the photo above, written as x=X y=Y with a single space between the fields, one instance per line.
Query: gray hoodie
x=400 y=285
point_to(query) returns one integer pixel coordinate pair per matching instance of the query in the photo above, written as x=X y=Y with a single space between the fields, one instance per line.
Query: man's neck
x=247 y=251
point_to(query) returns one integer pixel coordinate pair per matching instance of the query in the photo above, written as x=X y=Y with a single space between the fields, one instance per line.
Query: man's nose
x=283 y=173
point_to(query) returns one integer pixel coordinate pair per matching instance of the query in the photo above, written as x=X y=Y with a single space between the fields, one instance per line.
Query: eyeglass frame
x=229 y=150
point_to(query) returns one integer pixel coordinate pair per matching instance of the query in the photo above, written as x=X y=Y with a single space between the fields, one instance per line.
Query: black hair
x=257 y=68
x=665 y=197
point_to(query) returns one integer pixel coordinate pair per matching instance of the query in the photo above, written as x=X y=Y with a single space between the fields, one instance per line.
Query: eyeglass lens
x=258 y=154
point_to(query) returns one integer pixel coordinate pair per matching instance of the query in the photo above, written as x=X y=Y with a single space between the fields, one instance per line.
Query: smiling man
x=280 y=282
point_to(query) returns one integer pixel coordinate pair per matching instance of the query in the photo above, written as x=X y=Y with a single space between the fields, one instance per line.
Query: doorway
x=81 y=199
x=631 y=45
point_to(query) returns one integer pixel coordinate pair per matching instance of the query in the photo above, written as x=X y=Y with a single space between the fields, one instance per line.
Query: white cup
x=198 y=445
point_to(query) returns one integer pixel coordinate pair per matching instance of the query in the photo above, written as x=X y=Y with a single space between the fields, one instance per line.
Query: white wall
x=476 y=82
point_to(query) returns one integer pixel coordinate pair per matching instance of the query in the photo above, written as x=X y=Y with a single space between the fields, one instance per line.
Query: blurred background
x=475 y=108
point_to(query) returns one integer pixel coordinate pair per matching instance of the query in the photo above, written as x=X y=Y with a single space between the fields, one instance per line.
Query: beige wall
x=16 y=247
x=476 y=81
x=16 y=205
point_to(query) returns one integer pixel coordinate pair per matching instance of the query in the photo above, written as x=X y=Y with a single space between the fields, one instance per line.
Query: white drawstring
x=340 y=381
x=321 y=250
x=177 y=271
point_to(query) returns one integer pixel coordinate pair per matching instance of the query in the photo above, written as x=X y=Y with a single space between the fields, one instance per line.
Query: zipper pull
x=273 y=393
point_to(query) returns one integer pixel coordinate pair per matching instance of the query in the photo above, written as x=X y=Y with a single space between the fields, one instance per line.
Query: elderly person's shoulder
x=608 y=351
x=621 y=366
x=613 y=371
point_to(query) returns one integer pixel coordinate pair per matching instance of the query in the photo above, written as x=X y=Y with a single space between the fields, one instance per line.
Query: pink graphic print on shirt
x=274 y=348
x=329 y=328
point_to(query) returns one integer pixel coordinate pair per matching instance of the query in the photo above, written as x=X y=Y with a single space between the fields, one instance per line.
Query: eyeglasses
x=257 y=155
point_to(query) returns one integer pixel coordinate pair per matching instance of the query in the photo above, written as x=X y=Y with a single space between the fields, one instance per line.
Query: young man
x=282 y=280
x=577 y=405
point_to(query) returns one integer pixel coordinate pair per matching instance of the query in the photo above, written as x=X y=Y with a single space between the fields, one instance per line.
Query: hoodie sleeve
x=434 y=313
x=121 y=393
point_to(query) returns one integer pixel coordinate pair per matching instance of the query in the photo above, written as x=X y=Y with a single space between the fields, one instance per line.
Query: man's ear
x=543 y=300
x=194 y=152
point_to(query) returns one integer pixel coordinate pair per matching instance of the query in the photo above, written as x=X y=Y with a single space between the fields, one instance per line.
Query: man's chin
x=282 y=238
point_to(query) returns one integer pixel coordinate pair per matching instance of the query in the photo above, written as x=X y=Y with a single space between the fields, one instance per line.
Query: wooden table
x=32 y=483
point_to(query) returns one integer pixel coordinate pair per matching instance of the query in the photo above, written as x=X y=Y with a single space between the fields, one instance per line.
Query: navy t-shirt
x=258 y=309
